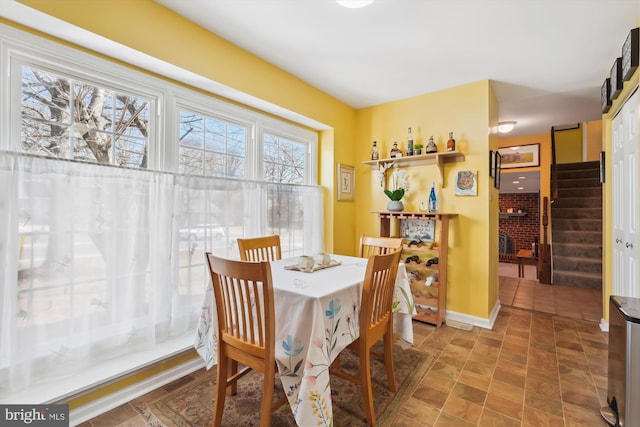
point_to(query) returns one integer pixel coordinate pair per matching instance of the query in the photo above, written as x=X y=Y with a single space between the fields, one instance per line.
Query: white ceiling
x=547 y=59
x=512 y=181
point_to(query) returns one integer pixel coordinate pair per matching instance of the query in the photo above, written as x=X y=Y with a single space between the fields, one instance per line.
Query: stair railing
x=554 y=166
x=544 y=259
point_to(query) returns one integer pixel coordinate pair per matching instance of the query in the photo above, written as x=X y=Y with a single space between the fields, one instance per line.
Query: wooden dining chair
x=246 y=329
x=376 y=321
x=378 y=245
x=265 y=248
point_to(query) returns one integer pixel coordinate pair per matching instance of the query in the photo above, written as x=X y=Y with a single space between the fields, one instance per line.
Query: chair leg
x=388 y=359
x=233 y=369
x=267 y=395
x=221 y=389
x=365 y=385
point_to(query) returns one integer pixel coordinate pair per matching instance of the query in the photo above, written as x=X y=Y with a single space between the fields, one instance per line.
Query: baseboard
x=604 y=326
x=476 y=321
x=120 y=397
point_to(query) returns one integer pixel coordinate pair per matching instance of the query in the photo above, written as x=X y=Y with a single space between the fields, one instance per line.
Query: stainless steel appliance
x=623 y=391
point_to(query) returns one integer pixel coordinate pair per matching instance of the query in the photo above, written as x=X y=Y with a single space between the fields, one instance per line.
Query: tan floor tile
x=473 y=379
x=439 y=382
x=463 y=409
x=430 y=395
x=543 y=403
x=493 y=419
x=507 y=391
x=509 y=377
x=405 y=421
x=538 y=418
x=504 y=406
x=416 y=409
x=469 y=393
x=450 y=420
x=544 y=388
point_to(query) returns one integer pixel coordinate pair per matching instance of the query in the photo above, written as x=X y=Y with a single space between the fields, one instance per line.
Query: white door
x=626 y=199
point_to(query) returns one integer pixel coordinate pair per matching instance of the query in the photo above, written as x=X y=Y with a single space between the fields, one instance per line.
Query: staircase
x=576 y=227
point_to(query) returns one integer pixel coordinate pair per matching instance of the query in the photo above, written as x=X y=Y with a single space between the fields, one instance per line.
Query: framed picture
x=418 y=229
x=497 y=164
x=520 y=156
x=346 y=182
x=491 y=160
x=466 y=183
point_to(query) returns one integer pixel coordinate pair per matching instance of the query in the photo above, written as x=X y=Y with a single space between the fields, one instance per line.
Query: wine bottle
x=451 y=143
x=431 y=146
x=395 y=151
x=409 y=143
x=433 y=202
x=374 y=151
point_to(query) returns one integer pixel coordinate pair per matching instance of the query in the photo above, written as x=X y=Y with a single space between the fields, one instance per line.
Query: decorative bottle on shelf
x=431 y=146
x=451 y=143
x=395 y=151
x=433 y=202
x=374 y=151
x=409 y=143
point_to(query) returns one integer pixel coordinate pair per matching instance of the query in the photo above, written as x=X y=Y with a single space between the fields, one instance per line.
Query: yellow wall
x=594 y=140
x=569 y=145
x=467 y=111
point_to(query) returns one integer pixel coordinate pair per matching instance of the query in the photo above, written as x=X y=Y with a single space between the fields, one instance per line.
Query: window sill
x=84 y=381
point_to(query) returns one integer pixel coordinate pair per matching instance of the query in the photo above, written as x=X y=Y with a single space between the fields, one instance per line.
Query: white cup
x=323 y=259
x=305 y=262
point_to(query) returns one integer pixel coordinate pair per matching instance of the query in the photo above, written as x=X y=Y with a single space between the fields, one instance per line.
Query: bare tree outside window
x=66 y=118
x=211 y=147
x=284 y=160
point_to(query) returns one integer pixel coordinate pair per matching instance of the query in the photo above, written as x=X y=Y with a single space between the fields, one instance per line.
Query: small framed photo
x=346 y=182
x=466 y=183
x=520 y=156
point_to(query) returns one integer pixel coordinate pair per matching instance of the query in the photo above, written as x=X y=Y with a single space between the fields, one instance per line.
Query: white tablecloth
x=316 y=318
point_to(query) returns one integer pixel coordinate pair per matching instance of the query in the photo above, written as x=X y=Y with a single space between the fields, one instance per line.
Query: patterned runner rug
x=192 y=404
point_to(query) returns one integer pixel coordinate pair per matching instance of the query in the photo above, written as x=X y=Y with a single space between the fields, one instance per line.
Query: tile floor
x=544 y=364
x=527 y=293
x=533 y=369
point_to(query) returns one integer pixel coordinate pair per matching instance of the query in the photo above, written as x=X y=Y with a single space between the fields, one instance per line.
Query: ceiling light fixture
x=354 y=4
x=506 y=127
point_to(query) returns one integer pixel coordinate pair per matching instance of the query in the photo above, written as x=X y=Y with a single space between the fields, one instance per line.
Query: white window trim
x=38 y=52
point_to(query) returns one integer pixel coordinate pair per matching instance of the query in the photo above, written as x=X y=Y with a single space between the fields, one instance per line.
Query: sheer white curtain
x=99 y=262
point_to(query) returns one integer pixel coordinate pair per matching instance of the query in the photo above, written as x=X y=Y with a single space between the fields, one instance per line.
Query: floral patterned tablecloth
x=316 y=318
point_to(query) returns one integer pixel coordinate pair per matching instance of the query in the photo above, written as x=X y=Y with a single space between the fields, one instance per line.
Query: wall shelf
x=510 y=214
x=438 y=159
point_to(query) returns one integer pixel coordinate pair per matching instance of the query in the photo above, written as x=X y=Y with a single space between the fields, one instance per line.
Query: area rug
x=192 y=404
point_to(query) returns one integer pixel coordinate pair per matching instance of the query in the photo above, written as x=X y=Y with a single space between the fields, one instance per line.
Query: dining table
x=316 y=317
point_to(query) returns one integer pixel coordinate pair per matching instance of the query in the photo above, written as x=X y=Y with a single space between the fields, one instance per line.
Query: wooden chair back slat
x=266 y=248
x=378 y=245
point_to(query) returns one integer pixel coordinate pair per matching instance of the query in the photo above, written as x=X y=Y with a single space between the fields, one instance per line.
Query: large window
x=66 y=118
x=115 y=184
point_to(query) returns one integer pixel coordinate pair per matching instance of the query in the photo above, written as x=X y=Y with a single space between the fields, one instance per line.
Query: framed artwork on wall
x=520 y=157
x=466 y=183
x=491 y=160
x=346 y=182
x=497 y=164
